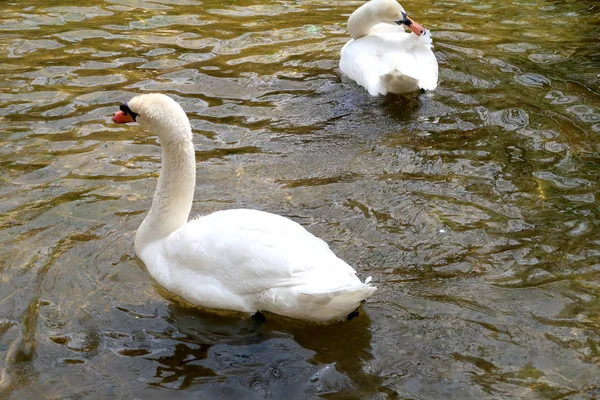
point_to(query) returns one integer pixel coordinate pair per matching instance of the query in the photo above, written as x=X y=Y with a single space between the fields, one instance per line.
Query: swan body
x=241 y=259
x=382 y=57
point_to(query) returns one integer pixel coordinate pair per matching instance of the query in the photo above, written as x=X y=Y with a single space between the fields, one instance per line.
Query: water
x=474 y=207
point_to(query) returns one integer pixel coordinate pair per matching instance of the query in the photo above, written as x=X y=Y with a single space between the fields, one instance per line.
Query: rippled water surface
x=474 y=207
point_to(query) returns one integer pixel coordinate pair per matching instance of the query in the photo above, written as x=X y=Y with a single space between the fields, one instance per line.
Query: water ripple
x=473 y=206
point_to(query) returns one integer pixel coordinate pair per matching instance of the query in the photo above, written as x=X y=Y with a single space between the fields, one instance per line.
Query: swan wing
x=250 y=251
x=368 y=59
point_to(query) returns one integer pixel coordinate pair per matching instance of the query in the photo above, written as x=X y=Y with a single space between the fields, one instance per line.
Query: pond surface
x=473 y=206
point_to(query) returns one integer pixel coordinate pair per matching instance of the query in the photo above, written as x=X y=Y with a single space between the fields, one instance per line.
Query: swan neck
x=361 y=21
x=174 y=193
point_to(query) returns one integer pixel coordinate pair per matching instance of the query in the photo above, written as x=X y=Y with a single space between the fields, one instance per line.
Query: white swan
x=241 y=260
x=383 y=58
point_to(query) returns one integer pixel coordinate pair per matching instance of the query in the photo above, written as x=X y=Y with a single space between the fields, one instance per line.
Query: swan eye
x=126 y=110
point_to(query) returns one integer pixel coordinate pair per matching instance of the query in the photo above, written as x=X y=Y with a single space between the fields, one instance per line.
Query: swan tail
x=335 y=305
x=397 y=82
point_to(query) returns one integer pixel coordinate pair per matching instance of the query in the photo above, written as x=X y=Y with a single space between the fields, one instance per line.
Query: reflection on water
x=474 y=206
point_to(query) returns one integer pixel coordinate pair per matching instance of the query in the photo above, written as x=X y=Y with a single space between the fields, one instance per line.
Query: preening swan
x=383 y=58
x=241 y=260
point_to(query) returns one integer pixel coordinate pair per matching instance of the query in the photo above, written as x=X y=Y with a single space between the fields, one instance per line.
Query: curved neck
x=174 y=193
x=361 y=21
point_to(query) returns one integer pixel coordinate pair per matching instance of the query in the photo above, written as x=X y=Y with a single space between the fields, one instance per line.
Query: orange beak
x=416 y=28
x=122 y=118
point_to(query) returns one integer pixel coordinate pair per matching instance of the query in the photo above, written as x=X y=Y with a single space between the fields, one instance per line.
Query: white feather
x=241 y=260
x=385 y=59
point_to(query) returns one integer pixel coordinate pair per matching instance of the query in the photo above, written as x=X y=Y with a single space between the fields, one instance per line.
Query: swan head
x=391 y=12
x=159 y=114
x=388 y=11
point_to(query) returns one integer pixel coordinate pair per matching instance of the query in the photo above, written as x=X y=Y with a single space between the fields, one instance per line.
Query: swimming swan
x=383 y=58
x=241 y=260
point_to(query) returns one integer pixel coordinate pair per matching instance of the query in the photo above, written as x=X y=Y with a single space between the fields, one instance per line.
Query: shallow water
x=473 y=207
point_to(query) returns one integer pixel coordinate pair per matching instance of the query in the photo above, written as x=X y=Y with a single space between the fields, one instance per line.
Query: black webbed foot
x=259 y=318
x=352 y=315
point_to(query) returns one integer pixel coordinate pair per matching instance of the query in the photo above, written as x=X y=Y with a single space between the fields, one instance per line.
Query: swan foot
x=259 y=318
x=352 y=315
